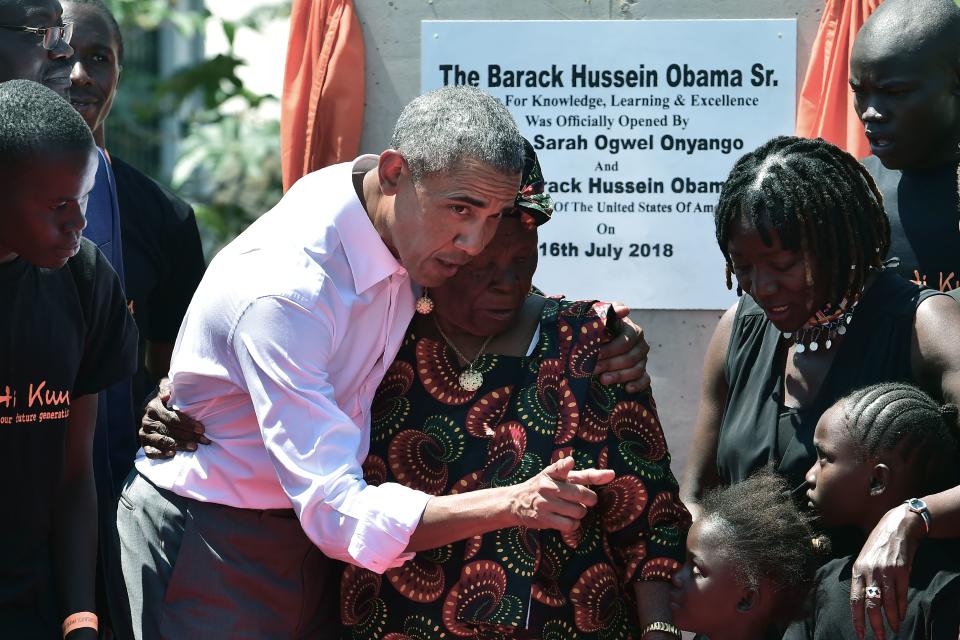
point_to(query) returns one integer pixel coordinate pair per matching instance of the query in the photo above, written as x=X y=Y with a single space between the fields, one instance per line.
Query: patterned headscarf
x=533 y=205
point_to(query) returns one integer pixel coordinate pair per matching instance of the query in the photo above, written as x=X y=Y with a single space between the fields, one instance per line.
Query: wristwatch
x=919 y=507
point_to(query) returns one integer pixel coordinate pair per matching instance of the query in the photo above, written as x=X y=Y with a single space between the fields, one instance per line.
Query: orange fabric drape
x=321 y=111
x=826 y=102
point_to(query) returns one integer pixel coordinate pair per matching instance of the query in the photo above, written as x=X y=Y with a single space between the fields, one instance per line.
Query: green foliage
x=230 y=171
x=229 y=157
x=149 y=15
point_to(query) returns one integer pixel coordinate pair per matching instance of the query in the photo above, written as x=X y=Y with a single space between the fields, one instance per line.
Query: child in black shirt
x=65 y=334
x=877 y=448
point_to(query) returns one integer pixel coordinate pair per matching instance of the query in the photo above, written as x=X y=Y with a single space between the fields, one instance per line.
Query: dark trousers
x=197 y=570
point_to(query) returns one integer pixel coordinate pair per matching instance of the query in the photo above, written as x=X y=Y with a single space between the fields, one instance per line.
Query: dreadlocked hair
x=819 y=200
x=899 y=417
x=765 y=535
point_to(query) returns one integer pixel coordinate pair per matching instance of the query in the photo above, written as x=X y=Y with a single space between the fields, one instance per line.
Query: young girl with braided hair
x=751 y=560
x=878 y=449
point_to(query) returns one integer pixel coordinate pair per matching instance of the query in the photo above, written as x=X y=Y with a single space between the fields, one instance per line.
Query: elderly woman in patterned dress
x=492 y=385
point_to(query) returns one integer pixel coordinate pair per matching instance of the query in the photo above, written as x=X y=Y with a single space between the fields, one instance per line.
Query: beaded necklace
x=822 y=329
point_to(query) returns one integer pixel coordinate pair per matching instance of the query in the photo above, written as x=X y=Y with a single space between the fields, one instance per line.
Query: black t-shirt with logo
x=924 y=212
x=163 y=264
x=64 y=333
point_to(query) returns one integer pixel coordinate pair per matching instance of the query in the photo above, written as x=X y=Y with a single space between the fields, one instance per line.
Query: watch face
x=917 y=504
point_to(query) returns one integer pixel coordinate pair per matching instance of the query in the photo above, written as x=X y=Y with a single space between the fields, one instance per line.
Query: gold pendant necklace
x=470 y=379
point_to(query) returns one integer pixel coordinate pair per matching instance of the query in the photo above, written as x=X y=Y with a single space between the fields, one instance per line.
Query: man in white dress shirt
x=279 y=355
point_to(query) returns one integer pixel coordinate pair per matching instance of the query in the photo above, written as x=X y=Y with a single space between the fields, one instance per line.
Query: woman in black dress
x=802 y=227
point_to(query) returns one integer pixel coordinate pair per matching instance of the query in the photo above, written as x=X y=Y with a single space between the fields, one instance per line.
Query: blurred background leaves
x=188 y=119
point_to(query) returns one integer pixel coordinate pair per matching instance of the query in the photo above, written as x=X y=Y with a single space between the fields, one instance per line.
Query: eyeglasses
x=51 y=37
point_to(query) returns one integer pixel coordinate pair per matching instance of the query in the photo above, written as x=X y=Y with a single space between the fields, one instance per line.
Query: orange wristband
x=80 y=620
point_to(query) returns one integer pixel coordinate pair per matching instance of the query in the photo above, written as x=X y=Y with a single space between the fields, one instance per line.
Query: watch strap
x=919 y=507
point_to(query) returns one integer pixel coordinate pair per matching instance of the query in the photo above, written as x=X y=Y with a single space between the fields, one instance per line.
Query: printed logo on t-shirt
x=945 y=284
x=39 y=404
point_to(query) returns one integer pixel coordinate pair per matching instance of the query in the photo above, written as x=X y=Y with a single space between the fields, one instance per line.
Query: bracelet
x=659 y=625
x=80 y=620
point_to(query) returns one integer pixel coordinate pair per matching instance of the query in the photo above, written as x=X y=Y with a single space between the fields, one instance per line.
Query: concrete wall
x=391 y=32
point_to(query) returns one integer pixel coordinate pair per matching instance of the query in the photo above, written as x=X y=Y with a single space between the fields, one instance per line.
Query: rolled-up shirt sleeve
x=283 y=350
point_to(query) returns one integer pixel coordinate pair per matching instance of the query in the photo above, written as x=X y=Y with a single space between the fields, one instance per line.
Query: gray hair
x=440 y=129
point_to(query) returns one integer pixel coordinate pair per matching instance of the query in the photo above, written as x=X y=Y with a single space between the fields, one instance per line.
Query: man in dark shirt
x=162 y=254
x=65 y=335
x=162 y=263
x=905 y=75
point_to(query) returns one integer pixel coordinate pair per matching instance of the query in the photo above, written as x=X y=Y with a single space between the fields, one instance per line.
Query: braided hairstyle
x=819 y=200
x=895 y=416
x=766 y=536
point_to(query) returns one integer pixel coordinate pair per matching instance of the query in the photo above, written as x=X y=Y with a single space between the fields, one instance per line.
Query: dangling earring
x=425 y=303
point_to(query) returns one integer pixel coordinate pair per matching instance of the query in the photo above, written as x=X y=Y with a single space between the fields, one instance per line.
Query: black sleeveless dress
x=757 y=429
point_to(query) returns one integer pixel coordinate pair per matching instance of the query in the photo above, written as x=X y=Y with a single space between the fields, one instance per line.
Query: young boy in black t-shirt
x=65 y=334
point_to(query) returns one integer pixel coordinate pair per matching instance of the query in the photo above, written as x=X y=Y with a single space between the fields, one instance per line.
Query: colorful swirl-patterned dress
x=430 y=434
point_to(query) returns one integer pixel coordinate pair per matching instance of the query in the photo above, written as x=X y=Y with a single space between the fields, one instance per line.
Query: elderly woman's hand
x=624 y=358
x=884 y=563
x=163 y=431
